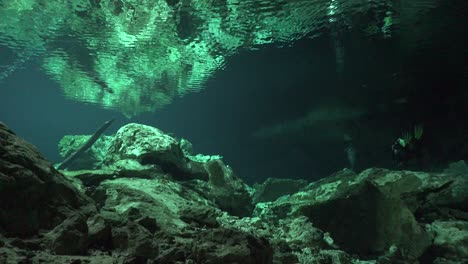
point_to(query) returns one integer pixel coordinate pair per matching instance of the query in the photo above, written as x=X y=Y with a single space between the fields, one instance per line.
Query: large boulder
x=429 y=196
x=147 y=145
x=149 y=151
x=365 y=221
x=365 y=214
x=33 y=195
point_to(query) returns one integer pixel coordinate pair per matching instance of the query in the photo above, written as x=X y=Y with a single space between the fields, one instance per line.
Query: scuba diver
x=408 y=149
x=350 y=152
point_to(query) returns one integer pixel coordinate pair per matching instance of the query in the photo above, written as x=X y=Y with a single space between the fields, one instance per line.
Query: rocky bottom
x=141 y=196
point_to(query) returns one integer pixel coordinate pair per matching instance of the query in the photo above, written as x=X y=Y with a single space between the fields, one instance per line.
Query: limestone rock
x=229 y=192
x=324 y=256
x=147 y=145
x=459 y=167
x=363 y=220
x=33 y=195
x=70 y=237
x=159 y=204
x=200 y=215
x=160 y=199
x=135 y=241
x=450 y=240
x=272 y=188
x=140 y=151
x=429 y=196
x=99 y=232
x=231 y=246
x=89 y=178
x=365 y=214
x=299 y=232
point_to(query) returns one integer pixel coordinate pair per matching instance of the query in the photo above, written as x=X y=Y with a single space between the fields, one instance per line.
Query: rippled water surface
x=137 y=55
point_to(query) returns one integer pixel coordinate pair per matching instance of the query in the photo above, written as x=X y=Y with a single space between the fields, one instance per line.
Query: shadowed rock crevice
x=166 y=167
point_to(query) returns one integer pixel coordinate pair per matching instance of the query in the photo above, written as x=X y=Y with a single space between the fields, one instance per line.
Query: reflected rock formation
x=137 y=55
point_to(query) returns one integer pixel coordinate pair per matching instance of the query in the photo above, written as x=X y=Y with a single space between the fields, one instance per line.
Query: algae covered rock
x=147 y=145
x=140 y=151
x=150 y=147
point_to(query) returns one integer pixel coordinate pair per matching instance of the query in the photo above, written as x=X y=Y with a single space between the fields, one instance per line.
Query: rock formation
x=149 y=200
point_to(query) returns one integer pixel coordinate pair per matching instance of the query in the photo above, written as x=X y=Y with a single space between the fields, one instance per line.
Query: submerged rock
x=459 y=167
x=70 y=237
x=228 y=191
x=159 y=204
x=161 y=199
x=272 y=189
x=450 y=240
x=362 y=220
x=147 y=145
x=222 y=245
x=135 y=241
x=33 y=195
x=140 y=151
x=99 y=232
x=369 y=213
